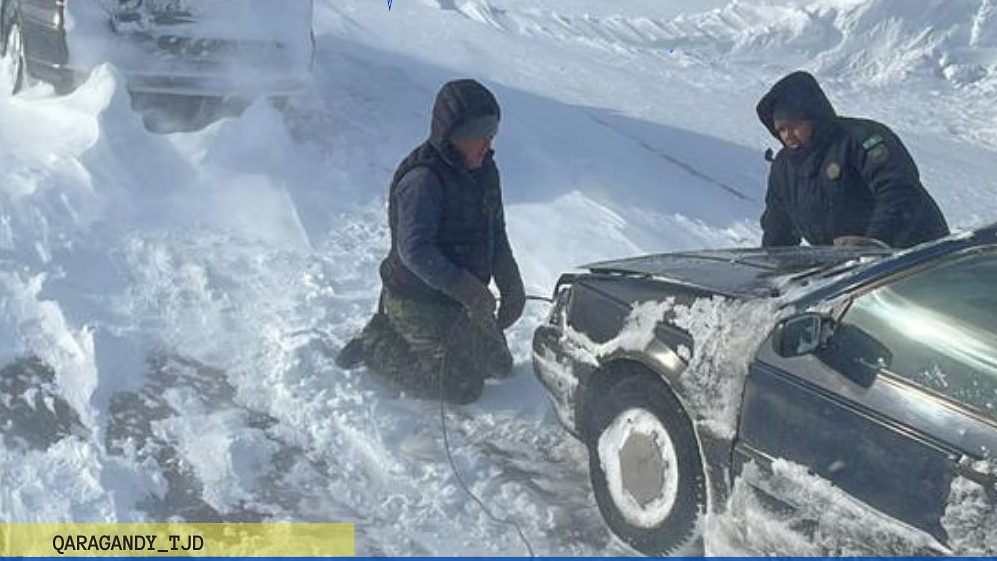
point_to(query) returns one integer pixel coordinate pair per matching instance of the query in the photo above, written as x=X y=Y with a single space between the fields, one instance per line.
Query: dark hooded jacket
x=447 y=223
x=854 y=178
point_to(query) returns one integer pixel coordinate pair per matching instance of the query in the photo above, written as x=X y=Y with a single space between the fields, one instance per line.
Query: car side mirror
x=856 y=354
x=802 y=334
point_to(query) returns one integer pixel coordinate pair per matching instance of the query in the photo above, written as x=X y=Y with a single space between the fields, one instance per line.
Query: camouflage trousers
x=421 y=345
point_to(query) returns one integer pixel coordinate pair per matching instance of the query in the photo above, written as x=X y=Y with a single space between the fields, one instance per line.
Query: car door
x=899 y=402
x=41 y=22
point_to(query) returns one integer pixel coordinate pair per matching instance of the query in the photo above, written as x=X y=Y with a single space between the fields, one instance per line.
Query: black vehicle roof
x=760 y=272
x=743 y=273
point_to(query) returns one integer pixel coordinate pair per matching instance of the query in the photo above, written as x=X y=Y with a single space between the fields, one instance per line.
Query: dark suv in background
x=209 y=50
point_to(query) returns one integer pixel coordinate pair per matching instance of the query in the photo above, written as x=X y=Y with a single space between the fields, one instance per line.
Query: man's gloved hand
x=859 y=241
x=511 y=306
x=478 y=301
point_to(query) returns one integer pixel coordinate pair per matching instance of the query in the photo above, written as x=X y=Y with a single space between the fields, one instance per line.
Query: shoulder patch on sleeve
x=879 y=154
x=872 y=142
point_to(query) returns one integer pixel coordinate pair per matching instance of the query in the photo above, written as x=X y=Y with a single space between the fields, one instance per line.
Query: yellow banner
x=179 y=539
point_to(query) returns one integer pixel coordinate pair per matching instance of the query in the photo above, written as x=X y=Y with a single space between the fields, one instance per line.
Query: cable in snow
x=446 y=443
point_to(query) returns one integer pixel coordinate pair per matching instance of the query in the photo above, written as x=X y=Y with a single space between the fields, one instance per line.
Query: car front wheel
x=645 y=466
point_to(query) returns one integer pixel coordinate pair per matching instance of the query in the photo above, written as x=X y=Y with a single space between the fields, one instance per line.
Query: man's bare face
x=794 y=133
x=473 y=150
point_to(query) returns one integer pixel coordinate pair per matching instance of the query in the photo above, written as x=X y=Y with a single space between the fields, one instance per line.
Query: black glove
x=512 y=304
x=478 y=301
x=510 y=284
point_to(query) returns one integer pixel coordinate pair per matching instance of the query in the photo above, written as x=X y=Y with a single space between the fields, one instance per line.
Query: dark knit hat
x=459 y=103
x=485 y=126
x=788 y=110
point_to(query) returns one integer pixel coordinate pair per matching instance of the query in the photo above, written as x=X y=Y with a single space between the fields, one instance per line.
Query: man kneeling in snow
x=437 y=315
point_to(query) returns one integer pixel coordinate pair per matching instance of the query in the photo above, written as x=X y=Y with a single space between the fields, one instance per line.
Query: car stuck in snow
x=217 y=48
x=873 y=370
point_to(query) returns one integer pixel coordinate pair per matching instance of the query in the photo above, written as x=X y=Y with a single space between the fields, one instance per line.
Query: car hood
x=750 y=272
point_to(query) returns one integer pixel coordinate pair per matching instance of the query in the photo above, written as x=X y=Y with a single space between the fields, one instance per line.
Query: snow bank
x=189 y=291
x=71 y=481
x=877 y=41
x=890 y=40
x=228 y=457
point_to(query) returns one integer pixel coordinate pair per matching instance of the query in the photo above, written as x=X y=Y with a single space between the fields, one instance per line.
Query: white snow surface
x=188 y=291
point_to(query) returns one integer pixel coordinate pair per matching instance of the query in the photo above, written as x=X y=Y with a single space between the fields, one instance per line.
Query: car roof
x=980 y=238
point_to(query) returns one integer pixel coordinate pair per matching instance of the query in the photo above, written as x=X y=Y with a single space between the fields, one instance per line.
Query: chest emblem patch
x=833 y=171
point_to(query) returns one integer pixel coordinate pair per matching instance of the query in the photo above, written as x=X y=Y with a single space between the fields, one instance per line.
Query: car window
x=937 y=328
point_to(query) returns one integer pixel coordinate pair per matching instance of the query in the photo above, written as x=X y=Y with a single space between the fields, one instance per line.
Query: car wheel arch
x=611 y=371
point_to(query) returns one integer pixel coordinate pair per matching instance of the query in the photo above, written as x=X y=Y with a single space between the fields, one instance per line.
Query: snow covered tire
x=645 y=466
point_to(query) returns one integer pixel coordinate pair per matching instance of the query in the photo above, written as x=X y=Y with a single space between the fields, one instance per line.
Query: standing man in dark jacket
x=839 y=180
x=437 y=316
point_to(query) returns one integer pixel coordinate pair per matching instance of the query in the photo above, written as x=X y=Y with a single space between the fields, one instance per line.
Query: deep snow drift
x=169 y=304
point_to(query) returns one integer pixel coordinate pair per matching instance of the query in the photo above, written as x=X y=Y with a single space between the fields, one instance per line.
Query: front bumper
x=214 y=86
x=65 y=79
